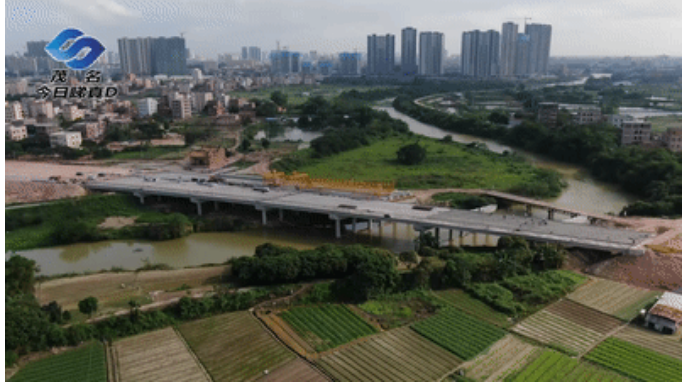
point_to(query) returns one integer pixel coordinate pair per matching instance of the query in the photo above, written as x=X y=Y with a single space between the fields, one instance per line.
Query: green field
x=234 y=346
x=661 y=123
x=298 y=94
x=636 y=362
x=400 y=309
x=459 y=333
x=446 y=165
x=466 y=303
x=553 y=366
x=85 y=364
x=327 y=326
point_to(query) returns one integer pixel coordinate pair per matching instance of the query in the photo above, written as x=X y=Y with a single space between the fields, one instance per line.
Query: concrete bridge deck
x=423 y=218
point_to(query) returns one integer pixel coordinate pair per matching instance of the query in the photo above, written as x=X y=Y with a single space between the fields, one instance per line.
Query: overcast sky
x=580 y=27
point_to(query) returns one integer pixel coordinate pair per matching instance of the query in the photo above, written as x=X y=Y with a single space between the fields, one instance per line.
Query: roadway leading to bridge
x=340 y=208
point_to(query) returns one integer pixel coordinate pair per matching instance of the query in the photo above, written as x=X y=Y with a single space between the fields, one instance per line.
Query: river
x=583 y=193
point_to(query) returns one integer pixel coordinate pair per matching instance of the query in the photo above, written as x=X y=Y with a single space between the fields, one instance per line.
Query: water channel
x=583 y=193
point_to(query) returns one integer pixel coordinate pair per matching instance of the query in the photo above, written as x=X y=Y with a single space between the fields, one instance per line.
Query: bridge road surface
x=342 y=208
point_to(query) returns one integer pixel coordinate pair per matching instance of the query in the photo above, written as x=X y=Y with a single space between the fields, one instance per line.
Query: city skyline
x=632 y=28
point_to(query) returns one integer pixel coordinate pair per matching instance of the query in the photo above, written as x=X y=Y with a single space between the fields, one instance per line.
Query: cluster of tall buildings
x=153 y=56
x=425 y=58
x=486 y=54
x=251 y=53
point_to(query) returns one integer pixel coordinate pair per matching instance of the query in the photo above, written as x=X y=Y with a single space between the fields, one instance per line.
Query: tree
x=19 y=275
x=279 y=98
x=426 y=239
x=245 y=145
x=411 y=154
x=447 y=139
x=409 y=257
x=499 y=117
x=458 y=272
x=54 y=312
x=375 y=275
x=265 y=143
x=267 y=110
x=88 y=305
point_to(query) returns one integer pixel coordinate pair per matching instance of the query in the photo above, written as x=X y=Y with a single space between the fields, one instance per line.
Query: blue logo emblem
x=89 y=48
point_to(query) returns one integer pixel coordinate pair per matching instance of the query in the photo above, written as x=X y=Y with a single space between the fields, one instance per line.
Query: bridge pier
x=450 y=237
x=264 y=214
x=551 y=213
x=216 y=206
x=199 y=205
x=337 y=225
x=528 y=210
x=281 y=215
x=141 y=197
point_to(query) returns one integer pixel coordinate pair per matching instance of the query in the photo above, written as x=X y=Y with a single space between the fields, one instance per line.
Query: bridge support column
x=199 y=205
x=337 y=225
x=474 y=239
x=281 y=215
x=450 y=237
x=264 y=214
x=395 y=229
x=141 y=197
x=355 y=225
x=216 y=205
x=528 y=210
x=369 y=225
x=551 y=213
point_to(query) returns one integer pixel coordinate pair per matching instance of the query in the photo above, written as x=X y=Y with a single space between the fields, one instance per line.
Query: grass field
x=615 y=298
x=157 y=356
x=234 y=346
x=670 y=345
x=553 y=366
x=636 y=362
x=568 y=325
x=459 y=333
x=398 y=355
x=327 y=326
x=85 y=364
x=446 y=165
x=466 y=303
x=506 y=356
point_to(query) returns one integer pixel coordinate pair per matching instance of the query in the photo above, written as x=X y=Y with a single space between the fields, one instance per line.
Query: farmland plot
x=295 y=371
x=396 y=355
x=327 y=326
x=157 y=356
x=615 y=298
x=84 y=364
x=569 y=325
x=460 y=333
x=636 y=362
x=464 y=302
x=670 y=345
x=287 y=335
x=506 y=356
x=553 y=366
x=234 y=346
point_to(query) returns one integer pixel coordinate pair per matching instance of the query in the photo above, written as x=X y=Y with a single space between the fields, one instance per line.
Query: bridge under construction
x=345 y=209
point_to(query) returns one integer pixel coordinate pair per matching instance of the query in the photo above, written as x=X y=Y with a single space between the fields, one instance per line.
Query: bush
x=411 y=154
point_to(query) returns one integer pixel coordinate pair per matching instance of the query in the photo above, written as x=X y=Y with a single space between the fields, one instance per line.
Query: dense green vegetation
x=84 y=364
x=636 y=362
x=460 y=333
x=552 y=366
x=327 y=326
x=446 y=165
x=655 y=175
x=464 y=201
x=468 y=304
x=402 y=308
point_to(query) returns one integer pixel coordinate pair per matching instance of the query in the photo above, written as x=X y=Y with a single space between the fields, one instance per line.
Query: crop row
x=551 y=329
x=636 y=362
x=553 y=366
x=333 y=325
x=85 y=364
x=460 y=333
x=464 y=302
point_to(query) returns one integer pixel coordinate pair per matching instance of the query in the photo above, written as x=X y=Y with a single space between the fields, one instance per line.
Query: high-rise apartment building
x=480 y=54
x=509 y=40
x=431 y=54
x=380 y=54
x=522 y=49
x=36 y=49
x=409 y=51
x=134 y=55
x=539 y=48
x=153 y=56
x=251 y=53
x=285 y=62
x=349 y=63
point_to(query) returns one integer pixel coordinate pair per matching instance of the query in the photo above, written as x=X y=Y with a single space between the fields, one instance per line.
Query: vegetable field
x=398 y=355
x=460 y=333
x=506 y=356
x=636 y=362
x=568 y=325
x=670 y=345
x=157 y=356
x=234 y=346
x=466 y=303
x=85 y=364
x=327 y=326
x=553 y=366
x=287 y=335
x=615 y=298
x=295 y=371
